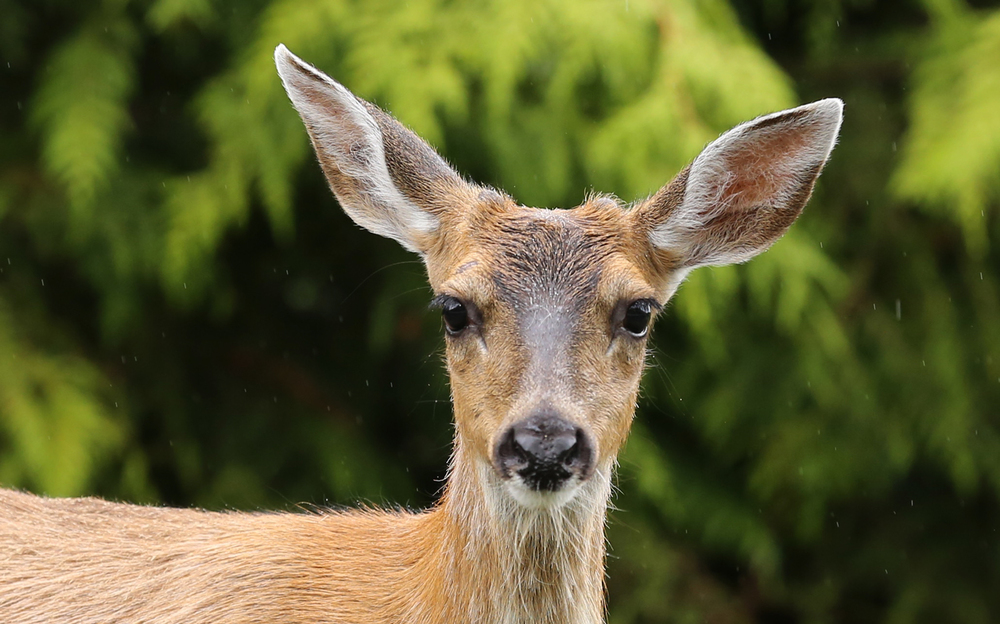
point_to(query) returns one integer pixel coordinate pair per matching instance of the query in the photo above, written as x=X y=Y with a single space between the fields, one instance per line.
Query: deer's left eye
x=637 y=315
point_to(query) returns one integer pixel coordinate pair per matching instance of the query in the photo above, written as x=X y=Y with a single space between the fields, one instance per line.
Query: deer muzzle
x=546 y=451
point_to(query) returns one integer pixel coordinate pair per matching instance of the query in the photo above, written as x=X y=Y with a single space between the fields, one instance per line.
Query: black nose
x=545 y=450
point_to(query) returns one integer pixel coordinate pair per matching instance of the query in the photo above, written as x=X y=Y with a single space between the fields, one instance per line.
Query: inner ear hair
x=745 y=189
x=387 y=179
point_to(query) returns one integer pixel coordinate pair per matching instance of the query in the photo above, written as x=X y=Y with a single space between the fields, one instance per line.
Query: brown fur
x=546 y=292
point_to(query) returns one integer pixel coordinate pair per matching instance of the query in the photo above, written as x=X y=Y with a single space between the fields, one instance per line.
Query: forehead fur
x=533 y=255
x=550 y=256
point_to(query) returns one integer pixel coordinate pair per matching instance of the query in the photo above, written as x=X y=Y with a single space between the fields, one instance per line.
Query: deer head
x=547 y=312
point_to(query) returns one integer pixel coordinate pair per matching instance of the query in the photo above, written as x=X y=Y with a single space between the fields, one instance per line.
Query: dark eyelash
x=439 y=301
x=652 y=303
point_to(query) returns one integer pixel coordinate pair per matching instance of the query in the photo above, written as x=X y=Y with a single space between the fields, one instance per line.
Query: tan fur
x=546 y=293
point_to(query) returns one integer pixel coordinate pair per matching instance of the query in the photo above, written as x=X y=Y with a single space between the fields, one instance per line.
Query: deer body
x=546 y=314
x=86 y=561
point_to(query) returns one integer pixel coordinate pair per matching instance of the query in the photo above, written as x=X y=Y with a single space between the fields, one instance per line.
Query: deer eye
x=455 y=315
x=637 y=315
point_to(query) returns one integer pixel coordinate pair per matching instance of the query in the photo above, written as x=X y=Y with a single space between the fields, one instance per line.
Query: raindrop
x=899 y=310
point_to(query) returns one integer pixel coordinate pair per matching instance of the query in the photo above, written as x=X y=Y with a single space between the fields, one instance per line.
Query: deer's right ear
x=387 y=179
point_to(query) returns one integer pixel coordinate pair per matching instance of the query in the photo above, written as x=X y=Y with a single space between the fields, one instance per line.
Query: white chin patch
x=542 y=499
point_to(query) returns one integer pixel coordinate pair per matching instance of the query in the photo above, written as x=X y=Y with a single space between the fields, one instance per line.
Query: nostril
x=581 y=456
x=509 y=454
x=572 y=454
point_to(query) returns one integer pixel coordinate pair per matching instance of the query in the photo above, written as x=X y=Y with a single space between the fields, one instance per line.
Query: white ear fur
x=740 y=185
x=350 y=147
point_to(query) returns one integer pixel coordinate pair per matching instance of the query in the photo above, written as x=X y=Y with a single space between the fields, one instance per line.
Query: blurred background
x=186 y=317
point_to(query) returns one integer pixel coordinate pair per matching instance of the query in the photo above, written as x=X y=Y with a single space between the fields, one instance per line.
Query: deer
x=546 y=316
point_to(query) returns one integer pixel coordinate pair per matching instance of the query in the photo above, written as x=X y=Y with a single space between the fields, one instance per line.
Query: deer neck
x=500 y=562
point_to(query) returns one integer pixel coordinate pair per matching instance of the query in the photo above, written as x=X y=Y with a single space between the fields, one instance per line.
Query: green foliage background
x=187 y=318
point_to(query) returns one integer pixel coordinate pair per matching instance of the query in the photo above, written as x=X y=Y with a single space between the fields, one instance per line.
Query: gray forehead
x=546 y=270
x=547 y=259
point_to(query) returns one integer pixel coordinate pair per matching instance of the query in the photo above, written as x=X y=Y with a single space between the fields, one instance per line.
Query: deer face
x=547 y=312
x=546 y=316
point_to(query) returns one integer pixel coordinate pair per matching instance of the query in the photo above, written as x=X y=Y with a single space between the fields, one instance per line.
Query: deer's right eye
x=455 y=315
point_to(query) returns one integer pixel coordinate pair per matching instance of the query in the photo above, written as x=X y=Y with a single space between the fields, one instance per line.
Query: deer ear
x=744 y=190
x=387 y=179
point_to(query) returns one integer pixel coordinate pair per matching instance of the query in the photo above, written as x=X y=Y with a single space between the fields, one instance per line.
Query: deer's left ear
x=744 y=190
